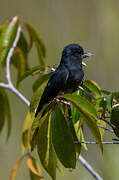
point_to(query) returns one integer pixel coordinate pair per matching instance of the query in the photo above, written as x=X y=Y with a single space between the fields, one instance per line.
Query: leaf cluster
x=58 y=128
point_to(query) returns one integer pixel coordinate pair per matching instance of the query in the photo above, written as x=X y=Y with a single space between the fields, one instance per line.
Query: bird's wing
x=55 y=84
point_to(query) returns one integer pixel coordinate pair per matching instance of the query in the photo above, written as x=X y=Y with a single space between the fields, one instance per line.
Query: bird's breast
x=75 y=78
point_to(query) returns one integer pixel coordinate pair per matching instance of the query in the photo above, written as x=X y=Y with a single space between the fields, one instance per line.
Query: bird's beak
x=85 y=55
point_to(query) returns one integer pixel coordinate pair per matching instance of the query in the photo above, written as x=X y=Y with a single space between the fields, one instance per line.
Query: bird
x=68 y=76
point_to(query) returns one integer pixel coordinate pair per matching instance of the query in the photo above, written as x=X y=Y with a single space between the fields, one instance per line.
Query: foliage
x=60 y=123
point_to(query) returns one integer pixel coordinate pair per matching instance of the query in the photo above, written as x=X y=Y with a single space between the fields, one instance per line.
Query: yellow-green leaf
x=93 y=87
x=88 y=113
x=34 y=167
x=45 y=148
x=36 y=97
x=26 y=132
x=79 y=133
x=7 y=38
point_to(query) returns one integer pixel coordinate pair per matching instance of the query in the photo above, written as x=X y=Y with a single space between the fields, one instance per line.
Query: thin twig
x=116 y=105
x=87 y=93
x=107 y=129
x=86 y=142
x=115 y=139
x=106 y=121
x=89 y=168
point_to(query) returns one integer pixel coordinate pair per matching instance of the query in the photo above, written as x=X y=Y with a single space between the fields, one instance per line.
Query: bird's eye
x=76 y=54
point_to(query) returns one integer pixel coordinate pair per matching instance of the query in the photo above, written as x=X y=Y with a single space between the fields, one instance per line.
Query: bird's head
x=75 y=51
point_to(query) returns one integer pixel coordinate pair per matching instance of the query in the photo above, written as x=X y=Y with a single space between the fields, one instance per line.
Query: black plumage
x=67 y=77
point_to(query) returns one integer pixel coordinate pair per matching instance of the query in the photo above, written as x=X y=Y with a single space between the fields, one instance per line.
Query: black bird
x=67 y=77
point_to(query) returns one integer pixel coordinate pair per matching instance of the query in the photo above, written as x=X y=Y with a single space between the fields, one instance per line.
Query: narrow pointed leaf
x=16 y=167
x=23 y=45
x=88 y=113
x=8 y=115
x=101 y=106
x=36 y=97
x=93 y=88
x=75 y=114
x=2 y=111
x=79 y=133
x=38 y=43
x=7 y=38
x=115 y=120
x=33 y=166
x=45 y=147
x=62 y=140
x=43 y=78
x=59 y=166
x=19 y=60
x=116 y=96
x=26 y=132
x=75 y=138
x=34 y=70
x=6 y=110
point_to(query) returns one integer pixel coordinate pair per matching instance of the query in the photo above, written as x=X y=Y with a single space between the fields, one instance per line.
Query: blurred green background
x=94 y=25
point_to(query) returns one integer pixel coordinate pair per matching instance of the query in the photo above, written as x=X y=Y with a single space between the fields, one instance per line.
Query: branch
x=116 y=105
x=89 y=168
x=10 y=53
x=11 y=87
x=106 y=121
x=86 y=142
x=105 y=128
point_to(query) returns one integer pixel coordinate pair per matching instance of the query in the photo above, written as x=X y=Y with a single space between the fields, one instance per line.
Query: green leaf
x=23 y=45
x=19 y=60
x=75 y=114
x=59 y=165
x=116 y=96
x=36 y=98
x=34 y=70
x=43 y=78
x=115 y=120
x=36 y=123
x=79 y=133
x=109 y=99
x=38 y=43
x=7 y=114
x=6 y=110
x=88 y=114
x=93 y=88
x=106 y=92
x=62 y=140
x=101 y=106
x=2 y=111
x=7 y=38
x=45 y=147
x=75 y=138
